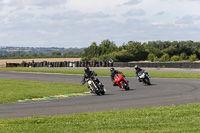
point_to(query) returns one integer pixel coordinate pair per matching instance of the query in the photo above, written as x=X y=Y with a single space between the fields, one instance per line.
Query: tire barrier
x=106 y=63
x=160 y=64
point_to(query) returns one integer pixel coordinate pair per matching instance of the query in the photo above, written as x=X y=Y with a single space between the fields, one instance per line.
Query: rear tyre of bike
x=98 y=93
x=127 y=88
x=102 y=92
x=101 y=89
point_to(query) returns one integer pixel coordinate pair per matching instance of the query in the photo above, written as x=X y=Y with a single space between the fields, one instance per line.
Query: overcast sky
x=78 y=23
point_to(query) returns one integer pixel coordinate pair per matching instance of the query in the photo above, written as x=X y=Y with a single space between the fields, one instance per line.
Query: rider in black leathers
x=89 y=74
x=137 y=70
x=112 y=75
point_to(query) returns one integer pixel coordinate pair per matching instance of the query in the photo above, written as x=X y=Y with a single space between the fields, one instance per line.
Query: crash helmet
x=86 y=69
x=136 y=67
x=112 y=70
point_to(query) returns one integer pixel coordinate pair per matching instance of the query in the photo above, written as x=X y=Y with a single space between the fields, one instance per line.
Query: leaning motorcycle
x=96 y=86
x=121 y=82
x=144 y=77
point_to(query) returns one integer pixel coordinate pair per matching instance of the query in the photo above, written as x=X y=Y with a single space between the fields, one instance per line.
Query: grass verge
x=13 y=90
x=128 y=73
x=176 y=119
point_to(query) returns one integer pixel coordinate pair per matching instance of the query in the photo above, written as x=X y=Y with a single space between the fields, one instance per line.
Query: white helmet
x=136 y=67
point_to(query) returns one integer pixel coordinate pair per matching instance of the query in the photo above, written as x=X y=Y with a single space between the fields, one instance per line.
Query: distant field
x=3 y=61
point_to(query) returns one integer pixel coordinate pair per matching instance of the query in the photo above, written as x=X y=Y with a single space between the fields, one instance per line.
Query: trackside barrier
x=106 y=63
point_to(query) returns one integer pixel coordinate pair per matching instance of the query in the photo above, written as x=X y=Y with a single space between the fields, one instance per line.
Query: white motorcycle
x=144 y=77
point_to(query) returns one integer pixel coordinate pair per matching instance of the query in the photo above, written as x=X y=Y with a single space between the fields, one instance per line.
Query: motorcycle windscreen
x=142 y=76
x=140 y=73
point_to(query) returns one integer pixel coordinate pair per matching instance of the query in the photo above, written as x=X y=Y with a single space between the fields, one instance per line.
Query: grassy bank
x=128 y=73
x=13 y=90
x=176 y=119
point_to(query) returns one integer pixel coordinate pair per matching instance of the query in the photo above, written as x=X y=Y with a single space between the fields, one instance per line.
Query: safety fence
x=106 y=64
x=159 y=64
x=63 y=64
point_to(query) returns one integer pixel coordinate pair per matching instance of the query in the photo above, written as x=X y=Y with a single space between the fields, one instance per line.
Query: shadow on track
x=103 y=95
x=127 y=90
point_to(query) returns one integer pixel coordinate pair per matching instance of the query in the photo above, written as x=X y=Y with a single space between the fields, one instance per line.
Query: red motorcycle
x=121 y=81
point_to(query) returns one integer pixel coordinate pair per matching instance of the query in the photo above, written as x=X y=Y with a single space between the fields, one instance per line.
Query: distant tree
x=56 y=53
x=107 y=47
x=164 y=58
x=193 y=58
x=94 y=59
x=170 y=51
x=107 y=57
x=175 y=58
x=35 y=55
x=123 y=56
x=92 y=51
x=183 y=56
x=152 y=57
x=84 y=59
x=153 y=50
x=70 y=53
x=137 y=50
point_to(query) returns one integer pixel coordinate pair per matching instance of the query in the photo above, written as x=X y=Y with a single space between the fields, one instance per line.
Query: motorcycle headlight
x=89 y=82
x=142 y=76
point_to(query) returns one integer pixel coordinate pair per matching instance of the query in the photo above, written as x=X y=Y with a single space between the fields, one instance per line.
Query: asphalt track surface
x=162 y=92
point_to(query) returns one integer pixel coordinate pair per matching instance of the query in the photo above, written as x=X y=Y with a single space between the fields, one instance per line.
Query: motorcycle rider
x=112 y=75
x=88 y=74
x=137 y=70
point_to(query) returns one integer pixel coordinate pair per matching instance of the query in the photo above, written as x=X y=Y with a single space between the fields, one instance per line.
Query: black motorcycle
x=96 y=86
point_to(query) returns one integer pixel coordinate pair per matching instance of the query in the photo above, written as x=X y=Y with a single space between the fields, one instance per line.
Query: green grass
x=44 y=70
x=164 y=74
x=172 y=119
x=128 y=73
x=13 y=90
x=176 y=119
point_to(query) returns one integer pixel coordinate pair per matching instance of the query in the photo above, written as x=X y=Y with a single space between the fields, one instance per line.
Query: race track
x=162 y=92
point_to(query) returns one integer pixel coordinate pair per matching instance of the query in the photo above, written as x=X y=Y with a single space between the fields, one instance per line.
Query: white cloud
x=160 y=13
x=94 y=5
x=135 y=12
x=185 y=20
x=34 y=2
x=78 y=23
x=132 y=2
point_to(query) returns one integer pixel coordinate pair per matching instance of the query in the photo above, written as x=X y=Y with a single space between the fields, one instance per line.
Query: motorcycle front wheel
x=147 y=81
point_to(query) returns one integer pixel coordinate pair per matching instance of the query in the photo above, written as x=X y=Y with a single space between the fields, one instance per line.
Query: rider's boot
x=91 y=91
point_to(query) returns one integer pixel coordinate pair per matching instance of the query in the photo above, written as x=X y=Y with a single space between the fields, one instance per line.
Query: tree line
x=41 y=53
x=154 y=51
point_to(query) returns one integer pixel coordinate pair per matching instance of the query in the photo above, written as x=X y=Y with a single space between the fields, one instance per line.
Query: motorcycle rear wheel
x=102 y=92
x=127 y=88
x=98 y=93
